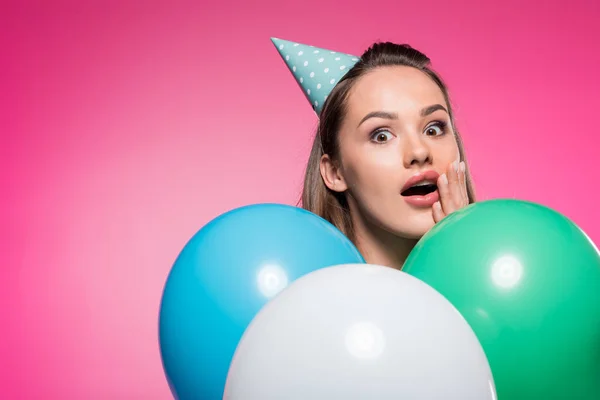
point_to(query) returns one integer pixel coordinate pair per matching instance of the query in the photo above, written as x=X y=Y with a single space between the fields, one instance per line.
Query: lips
x=422 y=179
x=421 y=189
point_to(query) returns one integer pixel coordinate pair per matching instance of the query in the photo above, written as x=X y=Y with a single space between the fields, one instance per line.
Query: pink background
x=128 y=125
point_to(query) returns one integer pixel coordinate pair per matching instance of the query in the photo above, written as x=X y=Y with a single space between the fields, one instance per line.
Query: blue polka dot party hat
x=316 y=70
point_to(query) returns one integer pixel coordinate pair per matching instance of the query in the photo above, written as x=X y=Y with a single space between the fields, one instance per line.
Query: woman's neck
x=381 y=247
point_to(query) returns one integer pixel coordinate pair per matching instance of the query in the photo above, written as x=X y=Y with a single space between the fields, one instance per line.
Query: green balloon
x=527 y=279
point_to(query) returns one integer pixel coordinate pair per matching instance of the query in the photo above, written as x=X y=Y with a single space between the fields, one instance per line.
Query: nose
x=416 y=150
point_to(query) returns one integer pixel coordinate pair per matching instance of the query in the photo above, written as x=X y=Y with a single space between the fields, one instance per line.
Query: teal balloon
x=224 y=275
x=527 y=279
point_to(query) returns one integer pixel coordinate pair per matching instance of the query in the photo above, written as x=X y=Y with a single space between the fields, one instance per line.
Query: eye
x=437 y=128
x=381 y=136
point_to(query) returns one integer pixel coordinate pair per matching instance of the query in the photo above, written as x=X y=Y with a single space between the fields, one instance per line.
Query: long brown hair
x=316 y=196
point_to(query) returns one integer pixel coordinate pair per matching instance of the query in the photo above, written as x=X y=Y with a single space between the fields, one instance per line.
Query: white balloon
x=359 y=331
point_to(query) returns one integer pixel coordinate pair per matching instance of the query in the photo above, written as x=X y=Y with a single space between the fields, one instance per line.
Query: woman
x=387 y=162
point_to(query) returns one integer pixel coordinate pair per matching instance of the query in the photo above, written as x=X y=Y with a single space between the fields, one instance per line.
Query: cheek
x=373 y=172
x=446 y=151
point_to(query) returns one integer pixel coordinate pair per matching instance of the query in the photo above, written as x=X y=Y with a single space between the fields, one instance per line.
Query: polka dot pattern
x=315 y=70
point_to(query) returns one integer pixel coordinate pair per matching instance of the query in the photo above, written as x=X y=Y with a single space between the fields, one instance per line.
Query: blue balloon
x=224 y=275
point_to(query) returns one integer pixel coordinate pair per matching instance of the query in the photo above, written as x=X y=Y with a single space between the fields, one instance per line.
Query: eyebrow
x=390 y=115
x=431 y=109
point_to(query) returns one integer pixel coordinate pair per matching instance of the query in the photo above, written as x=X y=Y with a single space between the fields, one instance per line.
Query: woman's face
x=397 y=128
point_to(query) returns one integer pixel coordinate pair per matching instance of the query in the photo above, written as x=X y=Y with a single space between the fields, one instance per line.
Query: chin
x=414 y=227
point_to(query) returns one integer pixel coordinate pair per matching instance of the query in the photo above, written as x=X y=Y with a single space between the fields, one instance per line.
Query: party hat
x=316 y=70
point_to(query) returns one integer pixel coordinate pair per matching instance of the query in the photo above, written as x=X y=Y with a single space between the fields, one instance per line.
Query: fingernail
x=444 y=179
x=437 y=205
x=462 y=166
x=455 y=164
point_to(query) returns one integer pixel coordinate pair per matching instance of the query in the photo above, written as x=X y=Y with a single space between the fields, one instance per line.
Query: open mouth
x=420 y=190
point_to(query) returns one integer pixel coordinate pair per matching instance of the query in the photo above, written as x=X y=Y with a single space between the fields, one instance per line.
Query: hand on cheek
x=453 y=191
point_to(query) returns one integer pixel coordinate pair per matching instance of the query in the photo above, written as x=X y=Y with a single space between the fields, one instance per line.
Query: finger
x=462 y=175
x=450 y=196
x=455 y=186
x=438 y=213
x=445 y=195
